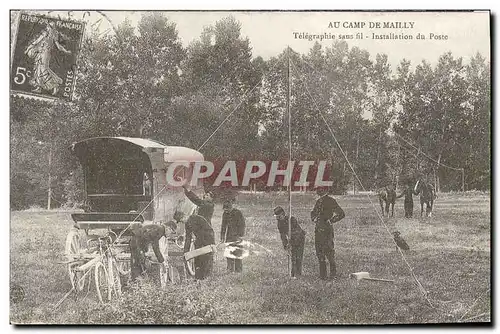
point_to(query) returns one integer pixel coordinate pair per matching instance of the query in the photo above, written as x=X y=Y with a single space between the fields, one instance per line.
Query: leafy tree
x=432 y=118
x=129 y=81
x=219 y=71
x=142 y=82
x=476 y=127
x=382 y=103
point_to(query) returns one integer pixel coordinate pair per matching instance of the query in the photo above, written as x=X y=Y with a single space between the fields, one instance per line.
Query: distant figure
x=326 y=212
x=400 y=241
x=205 y=205
x=387 y=195
x=203 y=233
x=232 y=229
x=427 y=196
x=41 y=51
x=408 y=193
x=295 y=243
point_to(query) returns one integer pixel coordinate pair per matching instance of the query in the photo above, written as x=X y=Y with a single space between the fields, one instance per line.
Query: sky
x=462 y=33
x=271 y=32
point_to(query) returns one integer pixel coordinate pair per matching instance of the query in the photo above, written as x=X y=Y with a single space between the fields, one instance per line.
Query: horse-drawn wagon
x=125 y=183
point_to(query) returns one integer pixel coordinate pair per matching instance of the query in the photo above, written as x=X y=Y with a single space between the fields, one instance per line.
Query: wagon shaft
x=123 y=256
x=81 y=256
x=89 y=264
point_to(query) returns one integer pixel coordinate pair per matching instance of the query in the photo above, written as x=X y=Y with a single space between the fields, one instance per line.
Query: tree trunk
x=418 y=160
x=378 y=153
x=438 y=185
x=398 y=166
x=49 y=192
x=436 y=180
x=344 y=168
x=357 y=156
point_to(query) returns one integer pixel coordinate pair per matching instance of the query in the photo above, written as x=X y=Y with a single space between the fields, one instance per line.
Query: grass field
x=450 y=256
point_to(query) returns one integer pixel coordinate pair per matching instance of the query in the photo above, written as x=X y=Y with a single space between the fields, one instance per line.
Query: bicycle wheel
x=114 y=279
x=102 y=284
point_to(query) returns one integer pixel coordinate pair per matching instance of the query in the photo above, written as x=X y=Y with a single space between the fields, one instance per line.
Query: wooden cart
x=125 y=184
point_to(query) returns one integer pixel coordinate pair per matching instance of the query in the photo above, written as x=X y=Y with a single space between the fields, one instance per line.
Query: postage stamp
x=45 y=56
x=250 y=167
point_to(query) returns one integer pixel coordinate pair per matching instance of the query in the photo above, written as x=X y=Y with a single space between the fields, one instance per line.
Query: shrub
x=145 y=303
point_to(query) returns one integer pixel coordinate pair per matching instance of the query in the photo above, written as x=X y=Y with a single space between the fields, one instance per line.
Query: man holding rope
x=232 y=229
x=408 y=193
x=293 y=243
x=205 y=205
x=203 y=233
x=325 y=213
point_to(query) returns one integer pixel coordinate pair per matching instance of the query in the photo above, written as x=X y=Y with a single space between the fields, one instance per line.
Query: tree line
x=144 y=83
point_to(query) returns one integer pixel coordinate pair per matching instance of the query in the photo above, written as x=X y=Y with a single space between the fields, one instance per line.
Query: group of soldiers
x=199 y=226
x=325 y=213
x=389 y=196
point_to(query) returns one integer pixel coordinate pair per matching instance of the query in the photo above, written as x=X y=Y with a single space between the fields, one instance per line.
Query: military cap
x=278 y=210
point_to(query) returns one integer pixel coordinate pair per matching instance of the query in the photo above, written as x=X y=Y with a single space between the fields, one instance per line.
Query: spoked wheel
x=174 y=276
x=75 y=246
x=102 y=284
x=107 y=280
x=190 y=264
x=123 y=270
x=123 y=263
x=164 y=267
x=114 y=277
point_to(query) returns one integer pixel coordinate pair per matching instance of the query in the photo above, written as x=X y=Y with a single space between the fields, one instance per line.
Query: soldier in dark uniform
x=326 y=212
x=296 y=243
x=205 y=205
x=408 y=194
x=204 y=235
x=142 y=237
x=232 y=229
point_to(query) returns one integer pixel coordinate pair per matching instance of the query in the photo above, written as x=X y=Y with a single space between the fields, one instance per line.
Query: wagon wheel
x=173 y=275
x=123 y=270
x=165 y=266
x=190 y=268
x=75 y=243
x=123 y=265
x=188 y=265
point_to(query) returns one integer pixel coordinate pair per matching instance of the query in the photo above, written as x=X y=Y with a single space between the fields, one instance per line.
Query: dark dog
x=400 y=241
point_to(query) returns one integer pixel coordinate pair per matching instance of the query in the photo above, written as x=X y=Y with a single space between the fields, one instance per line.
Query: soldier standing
x=295 y=243
x=232 y=229
x=205 y=205
x=408 y=194
x=204 y=235
x=326 y=212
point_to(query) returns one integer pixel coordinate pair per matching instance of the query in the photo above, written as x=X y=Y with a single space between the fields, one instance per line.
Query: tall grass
x=450 y=255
